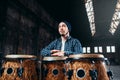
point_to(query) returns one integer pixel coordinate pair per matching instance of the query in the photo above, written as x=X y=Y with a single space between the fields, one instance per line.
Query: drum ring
x=80 y=73
x=9 y=71
x=55 y=71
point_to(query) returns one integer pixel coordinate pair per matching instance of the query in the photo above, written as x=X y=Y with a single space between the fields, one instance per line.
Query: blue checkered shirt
x=72 y=46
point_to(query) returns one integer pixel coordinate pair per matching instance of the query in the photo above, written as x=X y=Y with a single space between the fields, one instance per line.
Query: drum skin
x=84 y=62
x=29 y=70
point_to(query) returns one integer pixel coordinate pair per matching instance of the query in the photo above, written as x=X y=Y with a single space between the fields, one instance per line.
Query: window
x=113 y=49
x=100 y=49
x=88 y=49
x=90 y=14
x=84 y=49
x=115 y=19
x=96 y=49
x=110 y=49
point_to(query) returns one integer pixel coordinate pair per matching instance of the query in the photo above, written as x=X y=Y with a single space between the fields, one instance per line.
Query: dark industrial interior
x=27 y=26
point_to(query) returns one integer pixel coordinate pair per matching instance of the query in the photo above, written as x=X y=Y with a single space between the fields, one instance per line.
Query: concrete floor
x=116 y=72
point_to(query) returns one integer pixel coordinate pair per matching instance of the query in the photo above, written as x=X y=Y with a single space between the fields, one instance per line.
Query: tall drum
x=53 y=68
x=87 y=67
x=19 y=67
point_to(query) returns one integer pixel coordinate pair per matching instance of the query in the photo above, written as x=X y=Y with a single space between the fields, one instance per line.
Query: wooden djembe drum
x=19 y=67
x=53 y=68
x=87 y=67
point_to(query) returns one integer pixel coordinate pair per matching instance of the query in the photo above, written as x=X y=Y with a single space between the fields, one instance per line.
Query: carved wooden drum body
x=53 y=68
x=87 y=67
x=19 y=67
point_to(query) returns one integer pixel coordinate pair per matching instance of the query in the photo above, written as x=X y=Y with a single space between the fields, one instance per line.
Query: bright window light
x=90 y=14
x=88 y=49
x=100 y=49
x=96 y=49
x=115 y=19
x=113 y=49
x=108 y=49
x=84 y=49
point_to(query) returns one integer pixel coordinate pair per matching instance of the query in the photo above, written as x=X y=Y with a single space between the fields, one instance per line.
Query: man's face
x=63 y=29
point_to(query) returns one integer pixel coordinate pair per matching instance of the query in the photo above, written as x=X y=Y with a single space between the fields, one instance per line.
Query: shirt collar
x=69 y=37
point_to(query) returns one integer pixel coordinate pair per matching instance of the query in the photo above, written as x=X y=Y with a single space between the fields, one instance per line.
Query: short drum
x=19 y=67
x=53 y=68
x=87 y=67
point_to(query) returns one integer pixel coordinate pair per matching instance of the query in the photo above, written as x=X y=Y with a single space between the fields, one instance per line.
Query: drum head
x=13 y=56
x=54 y=58
x=86 y=56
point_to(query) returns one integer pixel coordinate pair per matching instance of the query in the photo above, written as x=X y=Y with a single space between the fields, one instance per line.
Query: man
x=64 y=46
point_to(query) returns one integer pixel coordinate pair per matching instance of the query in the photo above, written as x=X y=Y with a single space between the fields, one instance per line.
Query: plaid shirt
x=72 y=46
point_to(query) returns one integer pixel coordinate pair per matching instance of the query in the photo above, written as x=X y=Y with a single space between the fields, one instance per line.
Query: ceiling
x=74 y=11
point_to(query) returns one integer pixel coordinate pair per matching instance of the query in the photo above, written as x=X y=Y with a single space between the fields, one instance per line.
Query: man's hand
x=54 y=51
x=59 y=53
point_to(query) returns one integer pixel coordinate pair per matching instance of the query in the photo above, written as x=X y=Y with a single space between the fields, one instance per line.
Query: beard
x=64 y=34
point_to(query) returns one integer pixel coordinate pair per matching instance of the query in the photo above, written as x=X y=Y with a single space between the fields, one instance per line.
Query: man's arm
x=47 y=50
